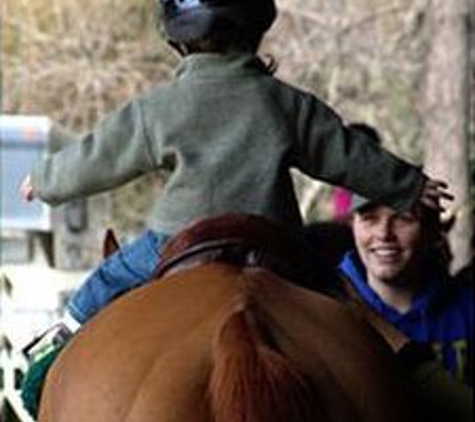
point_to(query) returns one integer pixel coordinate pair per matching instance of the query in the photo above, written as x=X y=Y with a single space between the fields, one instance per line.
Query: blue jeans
x=131 y=266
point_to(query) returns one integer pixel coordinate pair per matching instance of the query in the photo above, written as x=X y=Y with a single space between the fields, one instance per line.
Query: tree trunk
x=446 y=114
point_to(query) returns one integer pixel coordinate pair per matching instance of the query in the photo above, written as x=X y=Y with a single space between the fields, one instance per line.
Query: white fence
x=12 y=362
x=31 y=300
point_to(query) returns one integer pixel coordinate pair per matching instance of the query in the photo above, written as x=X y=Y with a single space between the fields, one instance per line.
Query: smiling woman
x=398 y=270
x=390 y=244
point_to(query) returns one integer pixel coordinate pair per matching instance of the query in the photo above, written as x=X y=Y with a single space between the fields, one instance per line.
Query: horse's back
x=149 y=350
x=150 y=355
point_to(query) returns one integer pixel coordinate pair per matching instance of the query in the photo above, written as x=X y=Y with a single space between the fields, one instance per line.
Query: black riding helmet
x=190 y=20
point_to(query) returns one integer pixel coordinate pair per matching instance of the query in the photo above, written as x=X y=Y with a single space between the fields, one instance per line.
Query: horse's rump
x=253 y=379
x=173 y=351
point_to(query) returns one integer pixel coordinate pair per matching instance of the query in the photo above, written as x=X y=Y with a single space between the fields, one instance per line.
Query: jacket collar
x=210 y=65
x=353 y=268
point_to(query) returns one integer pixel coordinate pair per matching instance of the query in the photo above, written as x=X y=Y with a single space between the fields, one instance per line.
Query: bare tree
x=446 y=113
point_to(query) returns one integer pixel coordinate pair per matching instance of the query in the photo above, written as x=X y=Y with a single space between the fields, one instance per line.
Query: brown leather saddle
x=248 y=241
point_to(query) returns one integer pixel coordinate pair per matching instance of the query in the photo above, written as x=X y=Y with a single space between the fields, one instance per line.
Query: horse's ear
x=110 y=243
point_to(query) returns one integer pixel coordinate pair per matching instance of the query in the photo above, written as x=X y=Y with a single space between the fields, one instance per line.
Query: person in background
x=398 y=270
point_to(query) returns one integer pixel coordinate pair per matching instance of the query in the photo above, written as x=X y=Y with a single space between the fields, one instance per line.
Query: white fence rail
x=31 y=299
x=12 y=362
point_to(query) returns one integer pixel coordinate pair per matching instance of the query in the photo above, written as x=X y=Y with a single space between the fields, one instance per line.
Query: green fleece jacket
x=225 y=132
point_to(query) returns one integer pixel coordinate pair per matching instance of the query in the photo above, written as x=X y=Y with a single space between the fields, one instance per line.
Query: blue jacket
x=441 y=315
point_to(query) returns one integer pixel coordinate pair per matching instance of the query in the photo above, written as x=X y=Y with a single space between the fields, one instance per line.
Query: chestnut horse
x=228 y=332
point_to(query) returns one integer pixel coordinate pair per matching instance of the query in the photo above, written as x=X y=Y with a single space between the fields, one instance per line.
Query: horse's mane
x=253 y=382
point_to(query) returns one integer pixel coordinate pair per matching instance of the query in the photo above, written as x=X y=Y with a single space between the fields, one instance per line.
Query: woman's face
x=388 y=242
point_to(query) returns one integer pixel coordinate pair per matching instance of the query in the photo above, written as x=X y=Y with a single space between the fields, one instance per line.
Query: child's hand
x=433 y=192
x=26 y=189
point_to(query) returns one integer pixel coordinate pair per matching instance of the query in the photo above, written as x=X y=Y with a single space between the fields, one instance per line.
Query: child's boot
x=53 y=338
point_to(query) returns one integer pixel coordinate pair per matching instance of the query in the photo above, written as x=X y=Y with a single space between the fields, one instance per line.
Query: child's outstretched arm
x=433 y=192
x=115 y=152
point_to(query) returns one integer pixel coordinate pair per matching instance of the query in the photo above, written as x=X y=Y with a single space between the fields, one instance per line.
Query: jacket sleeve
x=116 y=152
x=343 y=156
